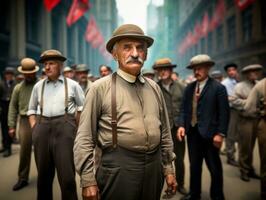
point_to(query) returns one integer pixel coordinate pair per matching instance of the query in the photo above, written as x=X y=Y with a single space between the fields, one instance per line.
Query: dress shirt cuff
x=31 y=112
x=87 y=180
x=79 y=108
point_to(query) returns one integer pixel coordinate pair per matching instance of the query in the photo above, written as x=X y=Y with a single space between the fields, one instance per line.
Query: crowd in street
x=125 y=132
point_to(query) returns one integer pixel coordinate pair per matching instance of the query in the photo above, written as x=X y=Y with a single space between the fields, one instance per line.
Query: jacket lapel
x=205 y=88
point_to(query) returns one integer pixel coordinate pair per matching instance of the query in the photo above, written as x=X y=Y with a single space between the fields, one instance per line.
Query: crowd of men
x=124 y=133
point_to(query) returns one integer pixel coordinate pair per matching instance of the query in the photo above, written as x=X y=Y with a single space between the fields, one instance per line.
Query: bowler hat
x=128 y=31
x=163 y=63
x=201 y=59
x=230 y=65
x=82 y=68
x=9 y=70
x=51 y=54
x=28 y=66
x=254 y=67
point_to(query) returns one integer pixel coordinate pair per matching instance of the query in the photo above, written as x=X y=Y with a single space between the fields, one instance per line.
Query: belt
x=53 y=118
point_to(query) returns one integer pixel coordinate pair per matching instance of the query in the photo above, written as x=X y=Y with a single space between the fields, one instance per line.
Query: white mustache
x=138 y=59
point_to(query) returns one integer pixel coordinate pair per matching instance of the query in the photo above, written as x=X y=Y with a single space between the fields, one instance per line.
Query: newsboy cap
x=201 y=59
x=163 y=63
x=254 y=67
x=82 y=68
x=127 y=31
x=51 y=54
x=28 y=66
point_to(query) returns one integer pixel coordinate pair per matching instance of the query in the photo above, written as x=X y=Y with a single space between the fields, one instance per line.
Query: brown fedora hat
x=163 y=63
x=128 y=31
x=201 y=59
x=28 y=66
x=51 y=54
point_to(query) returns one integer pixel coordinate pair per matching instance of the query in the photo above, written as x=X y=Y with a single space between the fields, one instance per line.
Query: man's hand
x=171 y=184
x=218 y=141
x=180 y=133
x=12 y=132
x=32 y=120
x=90 y=193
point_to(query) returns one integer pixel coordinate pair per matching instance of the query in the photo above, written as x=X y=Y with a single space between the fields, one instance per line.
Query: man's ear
x=114 y=54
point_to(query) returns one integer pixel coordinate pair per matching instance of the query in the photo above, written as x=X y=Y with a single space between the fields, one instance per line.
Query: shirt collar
x=130 y=78
x=204 y=81
x=60 y=79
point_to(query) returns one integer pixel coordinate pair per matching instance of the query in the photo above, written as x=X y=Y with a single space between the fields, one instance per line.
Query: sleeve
x=252 y=101
x=79 y=97
x=238 y=101
x=33 y=104
x=166 y=139
x=86 y=138
x=13 y=108
x=223 y=110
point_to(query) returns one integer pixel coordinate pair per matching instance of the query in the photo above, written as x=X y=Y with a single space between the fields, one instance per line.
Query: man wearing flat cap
x=217 y=75
x=6 y=88
x=256 y=105
x=126 y=116
x=247 y=123
x=204 y=119
x=173 y=93
x=81 y=73
x=232 y=134
x=18 y=107
x=54 y=109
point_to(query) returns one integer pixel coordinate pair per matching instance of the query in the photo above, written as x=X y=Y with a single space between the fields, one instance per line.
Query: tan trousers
x=248 y=128
x=25 y=138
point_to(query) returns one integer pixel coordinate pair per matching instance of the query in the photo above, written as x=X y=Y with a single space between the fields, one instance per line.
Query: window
x=219 y=38
x=247 y=24
x=231 y=30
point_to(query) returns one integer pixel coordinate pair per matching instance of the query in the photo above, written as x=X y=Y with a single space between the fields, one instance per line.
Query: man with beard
x=105 y=70
x=126 y=116
x=18 y=107
x=81 y=73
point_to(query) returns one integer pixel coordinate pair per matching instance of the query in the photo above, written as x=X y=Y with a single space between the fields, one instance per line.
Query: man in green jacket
x=173 y=93
x=18 y=107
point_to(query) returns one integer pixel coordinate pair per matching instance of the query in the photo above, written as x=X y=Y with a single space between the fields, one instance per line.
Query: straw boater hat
x=201 y=59
x=163 y=63
x=127 y=31
x=254 y=67
x=28 y=66
x=51 y=54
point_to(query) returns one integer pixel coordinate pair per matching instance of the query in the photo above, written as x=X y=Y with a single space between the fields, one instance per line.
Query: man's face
x=130 y=55
x=253 y=75
x=104 y=71
x=52 y=68
x=164 y=73
x=9 y=76
x=82 y=76
x=69 y=74
x=201 y=72
x=231 y=72
x=174 y=76
x=30 y=78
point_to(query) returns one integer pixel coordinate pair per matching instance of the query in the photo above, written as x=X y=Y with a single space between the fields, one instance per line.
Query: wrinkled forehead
x=131 y=41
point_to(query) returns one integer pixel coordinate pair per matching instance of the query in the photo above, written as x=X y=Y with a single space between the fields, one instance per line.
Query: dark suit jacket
x=212 y=110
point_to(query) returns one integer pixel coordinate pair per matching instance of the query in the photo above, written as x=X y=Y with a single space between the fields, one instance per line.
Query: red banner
x=205 y=25
x=50 y=4
x=77 y=10
x=243 y=4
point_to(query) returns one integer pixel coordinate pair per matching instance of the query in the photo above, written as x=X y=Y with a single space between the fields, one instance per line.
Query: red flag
x=218 y=15
x=50 y=4
x=91 y=30
x=243 y=4
x=77 y=10
x=205 y=25
x=98 y=40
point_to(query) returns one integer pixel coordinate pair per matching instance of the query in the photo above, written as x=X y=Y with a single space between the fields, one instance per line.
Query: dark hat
x=51 y=54
x=201 y=59
x=28 y=66
x=254 y=67
x=216 y=74
x=128 y=31
x=82 y=68
x=163 y=63
x=9 y=70
x=230 y=65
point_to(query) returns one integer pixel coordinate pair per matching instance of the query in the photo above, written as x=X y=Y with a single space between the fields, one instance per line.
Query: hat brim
x=113 y=40
x=52 y=57
x=163 y=66
x=251 y=69
x=28 y=72
x=208 y=63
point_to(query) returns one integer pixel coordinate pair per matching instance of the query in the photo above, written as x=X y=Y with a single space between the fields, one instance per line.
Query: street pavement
x=234 y=188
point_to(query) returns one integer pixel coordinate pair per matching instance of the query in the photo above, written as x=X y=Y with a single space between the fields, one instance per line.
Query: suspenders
x=113 y=110
x=66 y=98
